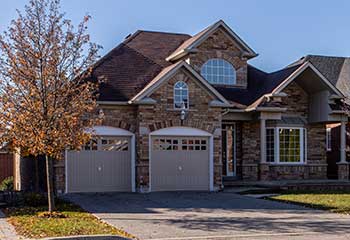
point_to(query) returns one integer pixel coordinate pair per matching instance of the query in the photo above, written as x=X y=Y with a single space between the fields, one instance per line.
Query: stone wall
x=144 y=119
x=250 y=150
x=162 y=115
x=296 y=102
x=219 y=45
x=316 y=165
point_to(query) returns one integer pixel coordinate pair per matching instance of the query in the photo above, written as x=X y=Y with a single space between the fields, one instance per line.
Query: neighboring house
x=337 y=71
x=184 y=112
x=6 y=162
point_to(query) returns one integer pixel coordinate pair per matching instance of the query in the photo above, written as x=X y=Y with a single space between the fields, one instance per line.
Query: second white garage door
x=180 y=163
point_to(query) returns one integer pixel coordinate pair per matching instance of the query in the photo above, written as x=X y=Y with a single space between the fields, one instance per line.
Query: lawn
x=335 y=201
x=29 y=222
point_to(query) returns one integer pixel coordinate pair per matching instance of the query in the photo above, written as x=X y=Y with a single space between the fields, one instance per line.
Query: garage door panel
x=181 y=166
x=99 y=170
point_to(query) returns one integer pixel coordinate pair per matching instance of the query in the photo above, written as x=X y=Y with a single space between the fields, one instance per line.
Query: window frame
x=174 y=95
x=95 y=144
x=329 y=139
x=276 y=141
x=223 y=75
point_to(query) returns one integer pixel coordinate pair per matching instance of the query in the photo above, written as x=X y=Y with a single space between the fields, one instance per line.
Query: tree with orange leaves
x=45 y=103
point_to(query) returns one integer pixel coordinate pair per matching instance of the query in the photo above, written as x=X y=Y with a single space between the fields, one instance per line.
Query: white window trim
x=303 y=146
x=216 y=83
x=329 y=139
x=188 y=96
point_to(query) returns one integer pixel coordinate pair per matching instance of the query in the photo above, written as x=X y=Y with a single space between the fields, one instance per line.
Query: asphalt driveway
x=211 y=216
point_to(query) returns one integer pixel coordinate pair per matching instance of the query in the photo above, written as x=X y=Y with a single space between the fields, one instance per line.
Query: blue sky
x=280 y=31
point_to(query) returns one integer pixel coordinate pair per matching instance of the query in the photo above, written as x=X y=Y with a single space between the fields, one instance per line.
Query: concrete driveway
x=211 y=216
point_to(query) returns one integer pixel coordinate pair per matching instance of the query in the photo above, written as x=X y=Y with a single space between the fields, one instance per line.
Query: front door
x=229 y=149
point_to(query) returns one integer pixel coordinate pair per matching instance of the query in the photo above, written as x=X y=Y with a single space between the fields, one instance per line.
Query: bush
x=7 y=184
x=34 y=199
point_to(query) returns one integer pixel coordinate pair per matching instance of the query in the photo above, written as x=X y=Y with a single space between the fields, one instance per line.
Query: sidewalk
x=7 y=232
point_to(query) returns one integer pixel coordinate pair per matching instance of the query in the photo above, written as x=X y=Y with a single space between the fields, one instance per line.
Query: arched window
x=219 y=71
x=180 y=95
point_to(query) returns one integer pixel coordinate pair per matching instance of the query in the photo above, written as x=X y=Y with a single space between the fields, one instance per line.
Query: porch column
x=343 y=165
x=342 y=142
x=262 y=141
x=263 y=166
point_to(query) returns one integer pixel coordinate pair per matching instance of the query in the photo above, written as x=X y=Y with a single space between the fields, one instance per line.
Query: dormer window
x=180 y=95
x=219 y=71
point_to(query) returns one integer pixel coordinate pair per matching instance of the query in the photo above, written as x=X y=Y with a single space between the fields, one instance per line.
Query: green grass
x=335 y=201
x=28 y=223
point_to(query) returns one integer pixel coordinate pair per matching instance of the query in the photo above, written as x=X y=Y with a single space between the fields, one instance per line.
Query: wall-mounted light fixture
x=183 y=113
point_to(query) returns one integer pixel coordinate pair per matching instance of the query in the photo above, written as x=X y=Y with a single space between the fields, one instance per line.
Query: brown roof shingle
x=129 y=67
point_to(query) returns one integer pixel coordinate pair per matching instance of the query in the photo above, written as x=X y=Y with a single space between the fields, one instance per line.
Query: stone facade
x=144 y=119
x=200 y=116
x=219 y=45
x=315 y=167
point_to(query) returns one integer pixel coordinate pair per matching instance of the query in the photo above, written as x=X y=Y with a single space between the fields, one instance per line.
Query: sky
x=280 y=31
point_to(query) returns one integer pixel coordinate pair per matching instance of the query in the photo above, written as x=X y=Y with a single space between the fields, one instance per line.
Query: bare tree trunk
x=49 y=179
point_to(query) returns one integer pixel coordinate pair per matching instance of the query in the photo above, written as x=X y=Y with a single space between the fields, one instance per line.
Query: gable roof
x=145 y=53
x=335 y=69
x=156 y=46
x=259 y=84
x=140 y=61
x=121 y=81
x=169 y=72
x=301 y=69
x=193 y=42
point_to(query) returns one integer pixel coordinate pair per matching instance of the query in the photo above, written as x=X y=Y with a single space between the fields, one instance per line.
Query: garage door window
x=185 y=144
x=113 y=144
x=107 y=144
x=91 y=145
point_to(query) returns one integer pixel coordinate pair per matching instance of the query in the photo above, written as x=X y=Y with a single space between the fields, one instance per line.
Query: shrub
x=34 y=199
x=7 y=184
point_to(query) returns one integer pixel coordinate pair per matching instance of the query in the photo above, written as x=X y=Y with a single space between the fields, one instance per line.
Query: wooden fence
x=6 y=165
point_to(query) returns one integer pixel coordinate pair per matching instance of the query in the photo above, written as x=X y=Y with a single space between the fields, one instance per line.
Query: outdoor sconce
x=183 y=113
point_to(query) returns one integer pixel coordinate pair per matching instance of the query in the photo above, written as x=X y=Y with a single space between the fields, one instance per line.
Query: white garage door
x=179 y=163
x=103 y=165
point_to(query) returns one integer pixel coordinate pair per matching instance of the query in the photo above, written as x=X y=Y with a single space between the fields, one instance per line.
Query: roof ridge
x=324 y=56
x=130 y=37
x=164 y=32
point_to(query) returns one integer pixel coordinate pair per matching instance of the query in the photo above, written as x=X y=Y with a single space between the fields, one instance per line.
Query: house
x=185 y=112
x=6 y=162
x=337 y=71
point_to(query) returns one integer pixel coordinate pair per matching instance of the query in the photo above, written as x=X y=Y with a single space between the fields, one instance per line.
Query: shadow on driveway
x=189 y=214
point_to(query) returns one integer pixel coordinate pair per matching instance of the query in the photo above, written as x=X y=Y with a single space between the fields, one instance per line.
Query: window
x=107 y=144
x=270 y=145
x=185 y=144
x=112 y=144
x=180 y=95
x=285 y=145
x=219 y=71
x=329 y=139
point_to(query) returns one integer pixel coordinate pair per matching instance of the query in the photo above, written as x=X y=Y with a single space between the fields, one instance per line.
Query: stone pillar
x=343 y=165
x=263 y=166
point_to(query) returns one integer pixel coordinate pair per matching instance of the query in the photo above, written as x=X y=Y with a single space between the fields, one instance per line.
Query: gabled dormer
x=218 y=54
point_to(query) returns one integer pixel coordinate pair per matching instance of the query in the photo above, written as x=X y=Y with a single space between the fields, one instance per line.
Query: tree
x=45 y=103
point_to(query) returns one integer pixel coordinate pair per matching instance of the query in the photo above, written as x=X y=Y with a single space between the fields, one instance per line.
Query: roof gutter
x=112 y=102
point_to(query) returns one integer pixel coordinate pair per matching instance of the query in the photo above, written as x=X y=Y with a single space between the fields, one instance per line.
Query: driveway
x=193 y=215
